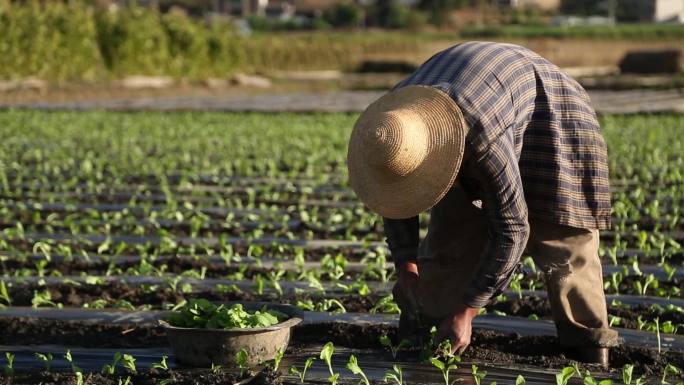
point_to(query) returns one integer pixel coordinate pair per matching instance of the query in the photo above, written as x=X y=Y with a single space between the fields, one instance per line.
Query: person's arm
x=402 y=240
x=503 y=200
x=504 y=204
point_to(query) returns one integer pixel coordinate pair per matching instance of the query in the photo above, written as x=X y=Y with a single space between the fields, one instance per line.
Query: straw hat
x=405 y=151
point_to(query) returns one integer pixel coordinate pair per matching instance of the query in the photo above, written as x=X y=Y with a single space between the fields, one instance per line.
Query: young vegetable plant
x=241 y=361
x=9 y=367
x=128 y=362
x=4 y=296
x=520 y=380
x=277 y=359
x=478 y=376
x=70 y=359
x=302 y=374
x=111 y=368
x=385 y=305
x=75 y=369
x=445 y=361
x=395 y=375
x=353 y=366
x=326 y=356
x=670 y=369
x=161 y=365
x=564 y=376
x=627 y=372
x=386 y=341
x=46 y=358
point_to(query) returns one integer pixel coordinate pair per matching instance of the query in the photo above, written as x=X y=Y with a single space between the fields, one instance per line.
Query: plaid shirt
x=534 y=146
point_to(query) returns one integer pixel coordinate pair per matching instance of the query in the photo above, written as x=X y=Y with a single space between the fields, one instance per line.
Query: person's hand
x=404 y=289
x=457 y=328
x=404 y=295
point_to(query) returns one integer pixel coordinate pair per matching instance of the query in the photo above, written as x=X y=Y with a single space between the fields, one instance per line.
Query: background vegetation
x=74 y=41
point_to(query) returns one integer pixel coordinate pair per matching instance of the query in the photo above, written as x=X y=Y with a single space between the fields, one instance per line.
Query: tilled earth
x=486 y=346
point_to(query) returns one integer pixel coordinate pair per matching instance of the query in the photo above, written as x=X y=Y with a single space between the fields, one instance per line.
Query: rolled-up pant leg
x=569 y=258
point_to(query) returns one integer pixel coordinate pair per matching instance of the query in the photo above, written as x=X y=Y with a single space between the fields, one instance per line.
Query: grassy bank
x=58 y=41
x=72 y=41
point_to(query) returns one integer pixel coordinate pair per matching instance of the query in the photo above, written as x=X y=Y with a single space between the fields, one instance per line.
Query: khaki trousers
x=449 y=257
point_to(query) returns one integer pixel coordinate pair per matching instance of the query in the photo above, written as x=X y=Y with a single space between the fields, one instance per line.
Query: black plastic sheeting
x=522 y=326
x=291 y=287
x=352 y=266
x=374 y=364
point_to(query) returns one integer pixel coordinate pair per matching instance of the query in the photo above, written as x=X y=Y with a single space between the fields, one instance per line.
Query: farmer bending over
x=505 y=151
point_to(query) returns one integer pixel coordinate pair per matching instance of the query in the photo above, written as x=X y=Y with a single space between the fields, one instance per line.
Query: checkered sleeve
x=402 y=239
x=504 y=203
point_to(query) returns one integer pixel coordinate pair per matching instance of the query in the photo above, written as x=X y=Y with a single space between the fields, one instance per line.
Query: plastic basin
x=204 y=347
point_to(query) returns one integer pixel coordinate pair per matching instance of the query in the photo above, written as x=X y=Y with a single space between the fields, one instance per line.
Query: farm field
x=108 y=221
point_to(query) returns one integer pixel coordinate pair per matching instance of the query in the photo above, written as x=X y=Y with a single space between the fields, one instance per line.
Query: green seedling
x=326 y=356
x=641 y=324
x=657 y=330
x=614 y=320
x=478 y=376
x=588 y=379
x=4 y=295
x=516 y=285
x=302 y=374
x=353 y=366
x=258 y=286
x=520 y=380
x=70 y=359
x=274 y=281
x=9 y=366
x=111 y=368
x=161 y=365
x=386 y=341
x=395 y=375
x=241 y=358
x=615 y=280
x=46 y=358
x=564 y=376
x=627 y=371
x=642 y=288
x=669 y=370
x=277 y=359
x=330 y=305
x=79 y=378
x=445 y=361
x=669 y=270
x=127 y=381
x=386 y=305
x=42 y=298
x=216 y=369
x=128 y=362
x=668 y=327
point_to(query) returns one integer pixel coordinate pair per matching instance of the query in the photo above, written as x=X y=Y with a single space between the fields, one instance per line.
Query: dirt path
x=609 y=102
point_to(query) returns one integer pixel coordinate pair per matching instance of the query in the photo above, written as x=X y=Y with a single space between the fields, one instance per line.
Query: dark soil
x=172 y=265
x=137 y=295
x=211 y=229
x=151 y=377
x=486 y=346
x=30 y=331
x=489 y=346
x=114 y=292
x=528 y=306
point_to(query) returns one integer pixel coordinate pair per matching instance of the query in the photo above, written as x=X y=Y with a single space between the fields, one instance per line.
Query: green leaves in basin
x=201 y=313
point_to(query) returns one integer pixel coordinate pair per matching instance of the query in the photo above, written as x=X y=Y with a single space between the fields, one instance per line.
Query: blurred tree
x=344 y=15
x=388 y=14
x=438 y=9
x=582 y=7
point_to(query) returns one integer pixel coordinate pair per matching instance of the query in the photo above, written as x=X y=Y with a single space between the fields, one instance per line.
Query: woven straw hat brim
x=405 y=196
